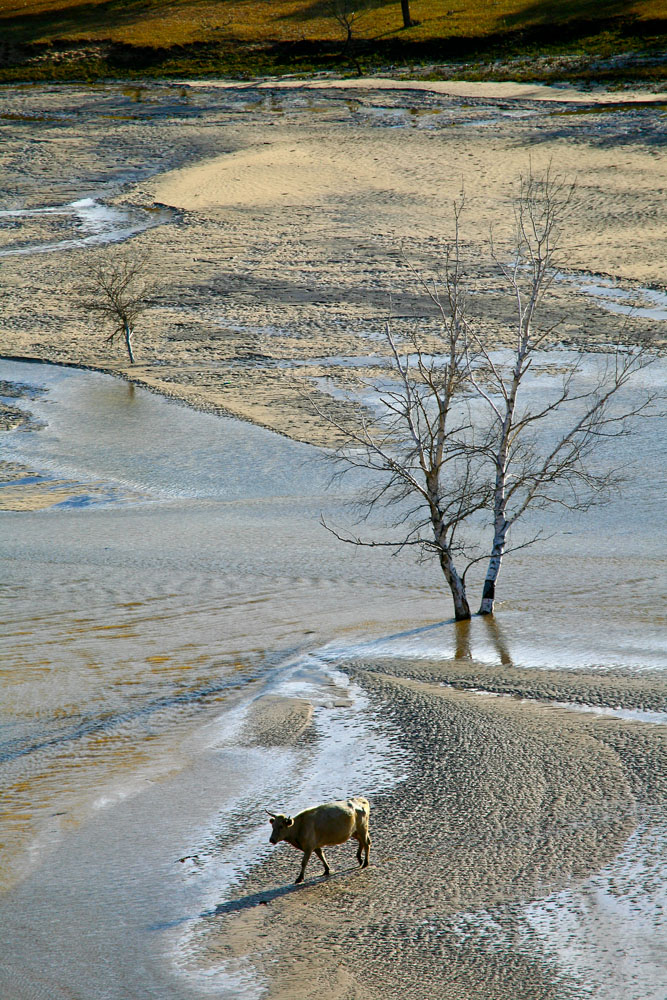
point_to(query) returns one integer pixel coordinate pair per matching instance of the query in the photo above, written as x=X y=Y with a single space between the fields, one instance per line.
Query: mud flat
x=187 y=647
x=520 y=838
x=291 y=207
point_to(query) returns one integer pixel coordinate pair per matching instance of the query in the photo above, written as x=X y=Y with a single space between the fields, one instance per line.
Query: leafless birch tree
x=117 y=291
x=461 y=451
x=422 y=449
x=523 y=473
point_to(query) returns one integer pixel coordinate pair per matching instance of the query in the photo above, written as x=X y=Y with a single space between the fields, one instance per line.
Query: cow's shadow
x=269 y=895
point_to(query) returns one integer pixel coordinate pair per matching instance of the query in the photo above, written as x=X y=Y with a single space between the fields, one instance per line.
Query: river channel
x=184 y=573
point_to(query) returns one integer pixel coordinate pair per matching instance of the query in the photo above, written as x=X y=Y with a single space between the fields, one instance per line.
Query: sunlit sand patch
x=282 y=171
x=46 y=494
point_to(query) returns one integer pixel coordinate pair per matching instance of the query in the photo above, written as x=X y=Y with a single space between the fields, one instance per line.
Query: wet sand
x=503 y=805
x=292 y=209
x=506 y=828
x=506 y=835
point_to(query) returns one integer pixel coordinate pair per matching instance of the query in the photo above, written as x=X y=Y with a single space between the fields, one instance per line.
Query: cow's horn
x=272 y=815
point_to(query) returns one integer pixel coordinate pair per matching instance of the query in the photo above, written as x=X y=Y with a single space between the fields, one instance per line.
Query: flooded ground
x=183 y=644
x=182 y=584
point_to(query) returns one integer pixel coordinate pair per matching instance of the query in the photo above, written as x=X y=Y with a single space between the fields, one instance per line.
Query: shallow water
x=189 y=576
x=188 y=564
x=182 y=573
x=649 y=303
x=87 y=222
x=140 y=625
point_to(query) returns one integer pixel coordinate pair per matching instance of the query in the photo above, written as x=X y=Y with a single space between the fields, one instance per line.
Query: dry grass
x=178 y=22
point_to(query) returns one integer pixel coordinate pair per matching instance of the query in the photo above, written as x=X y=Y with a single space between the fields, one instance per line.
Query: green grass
x=96 y=39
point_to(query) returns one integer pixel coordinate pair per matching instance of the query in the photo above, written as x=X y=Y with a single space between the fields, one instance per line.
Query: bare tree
x=524 y=473
x=421 y=449
x=459 y=435
x=347 y=13
x=117 y=291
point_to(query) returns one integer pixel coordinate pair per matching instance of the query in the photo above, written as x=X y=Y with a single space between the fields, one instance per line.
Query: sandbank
x=496 y=90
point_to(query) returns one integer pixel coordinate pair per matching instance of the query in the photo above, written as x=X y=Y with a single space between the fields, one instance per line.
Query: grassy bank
x=606 y=41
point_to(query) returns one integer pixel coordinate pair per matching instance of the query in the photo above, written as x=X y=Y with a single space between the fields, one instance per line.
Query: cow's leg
x=367 y=849
x=364 y=840
x=320 y=854
x=306 y=859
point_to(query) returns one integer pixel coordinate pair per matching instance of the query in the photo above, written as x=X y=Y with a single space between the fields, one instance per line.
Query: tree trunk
x=128 y=341
x=348 y=39
x=405 y=10
x=457 y=587
x=495 y=561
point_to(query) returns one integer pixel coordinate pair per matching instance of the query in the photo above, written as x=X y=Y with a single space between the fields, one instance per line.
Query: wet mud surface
x=503 y=806
x=291 y=213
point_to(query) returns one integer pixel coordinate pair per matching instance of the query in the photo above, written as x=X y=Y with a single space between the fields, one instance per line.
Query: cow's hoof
x=365 y=864
x=327 y=874
x=298 y=879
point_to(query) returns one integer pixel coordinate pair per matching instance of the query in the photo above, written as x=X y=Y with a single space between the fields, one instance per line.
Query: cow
x=322 y=826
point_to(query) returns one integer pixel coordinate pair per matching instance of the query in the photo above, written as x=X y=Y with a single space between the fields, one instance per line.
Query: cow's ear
x=289 y=821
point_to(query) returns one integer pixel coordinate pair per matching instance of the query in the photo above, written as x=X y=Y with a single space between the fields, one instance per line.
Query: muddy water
x=181 y=578
x=183 y=567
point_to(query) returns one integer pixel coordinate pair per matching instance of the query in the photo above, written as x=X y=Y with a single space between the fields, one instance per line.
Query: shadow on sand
x=253 y=899
x=269 y=895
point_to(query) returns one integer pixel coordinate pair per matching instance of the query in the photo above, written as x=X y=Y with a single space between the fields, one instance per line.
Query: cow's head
x=280 y=825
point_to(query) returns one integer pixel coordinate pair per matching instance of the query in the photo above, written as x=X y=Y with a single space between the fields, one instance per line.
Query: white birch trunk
x=495 y=562
x=128 y=341
x=500 y=489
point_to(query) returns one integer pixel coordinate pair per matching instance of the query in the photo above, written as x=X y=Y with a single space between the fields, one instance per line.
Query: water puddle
x=605 y=109
x=648 y=303
x=606 y=931
x=628 y=714
x=38 y=492
x=94 y=223
x=430 y=118
x=176 y=453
